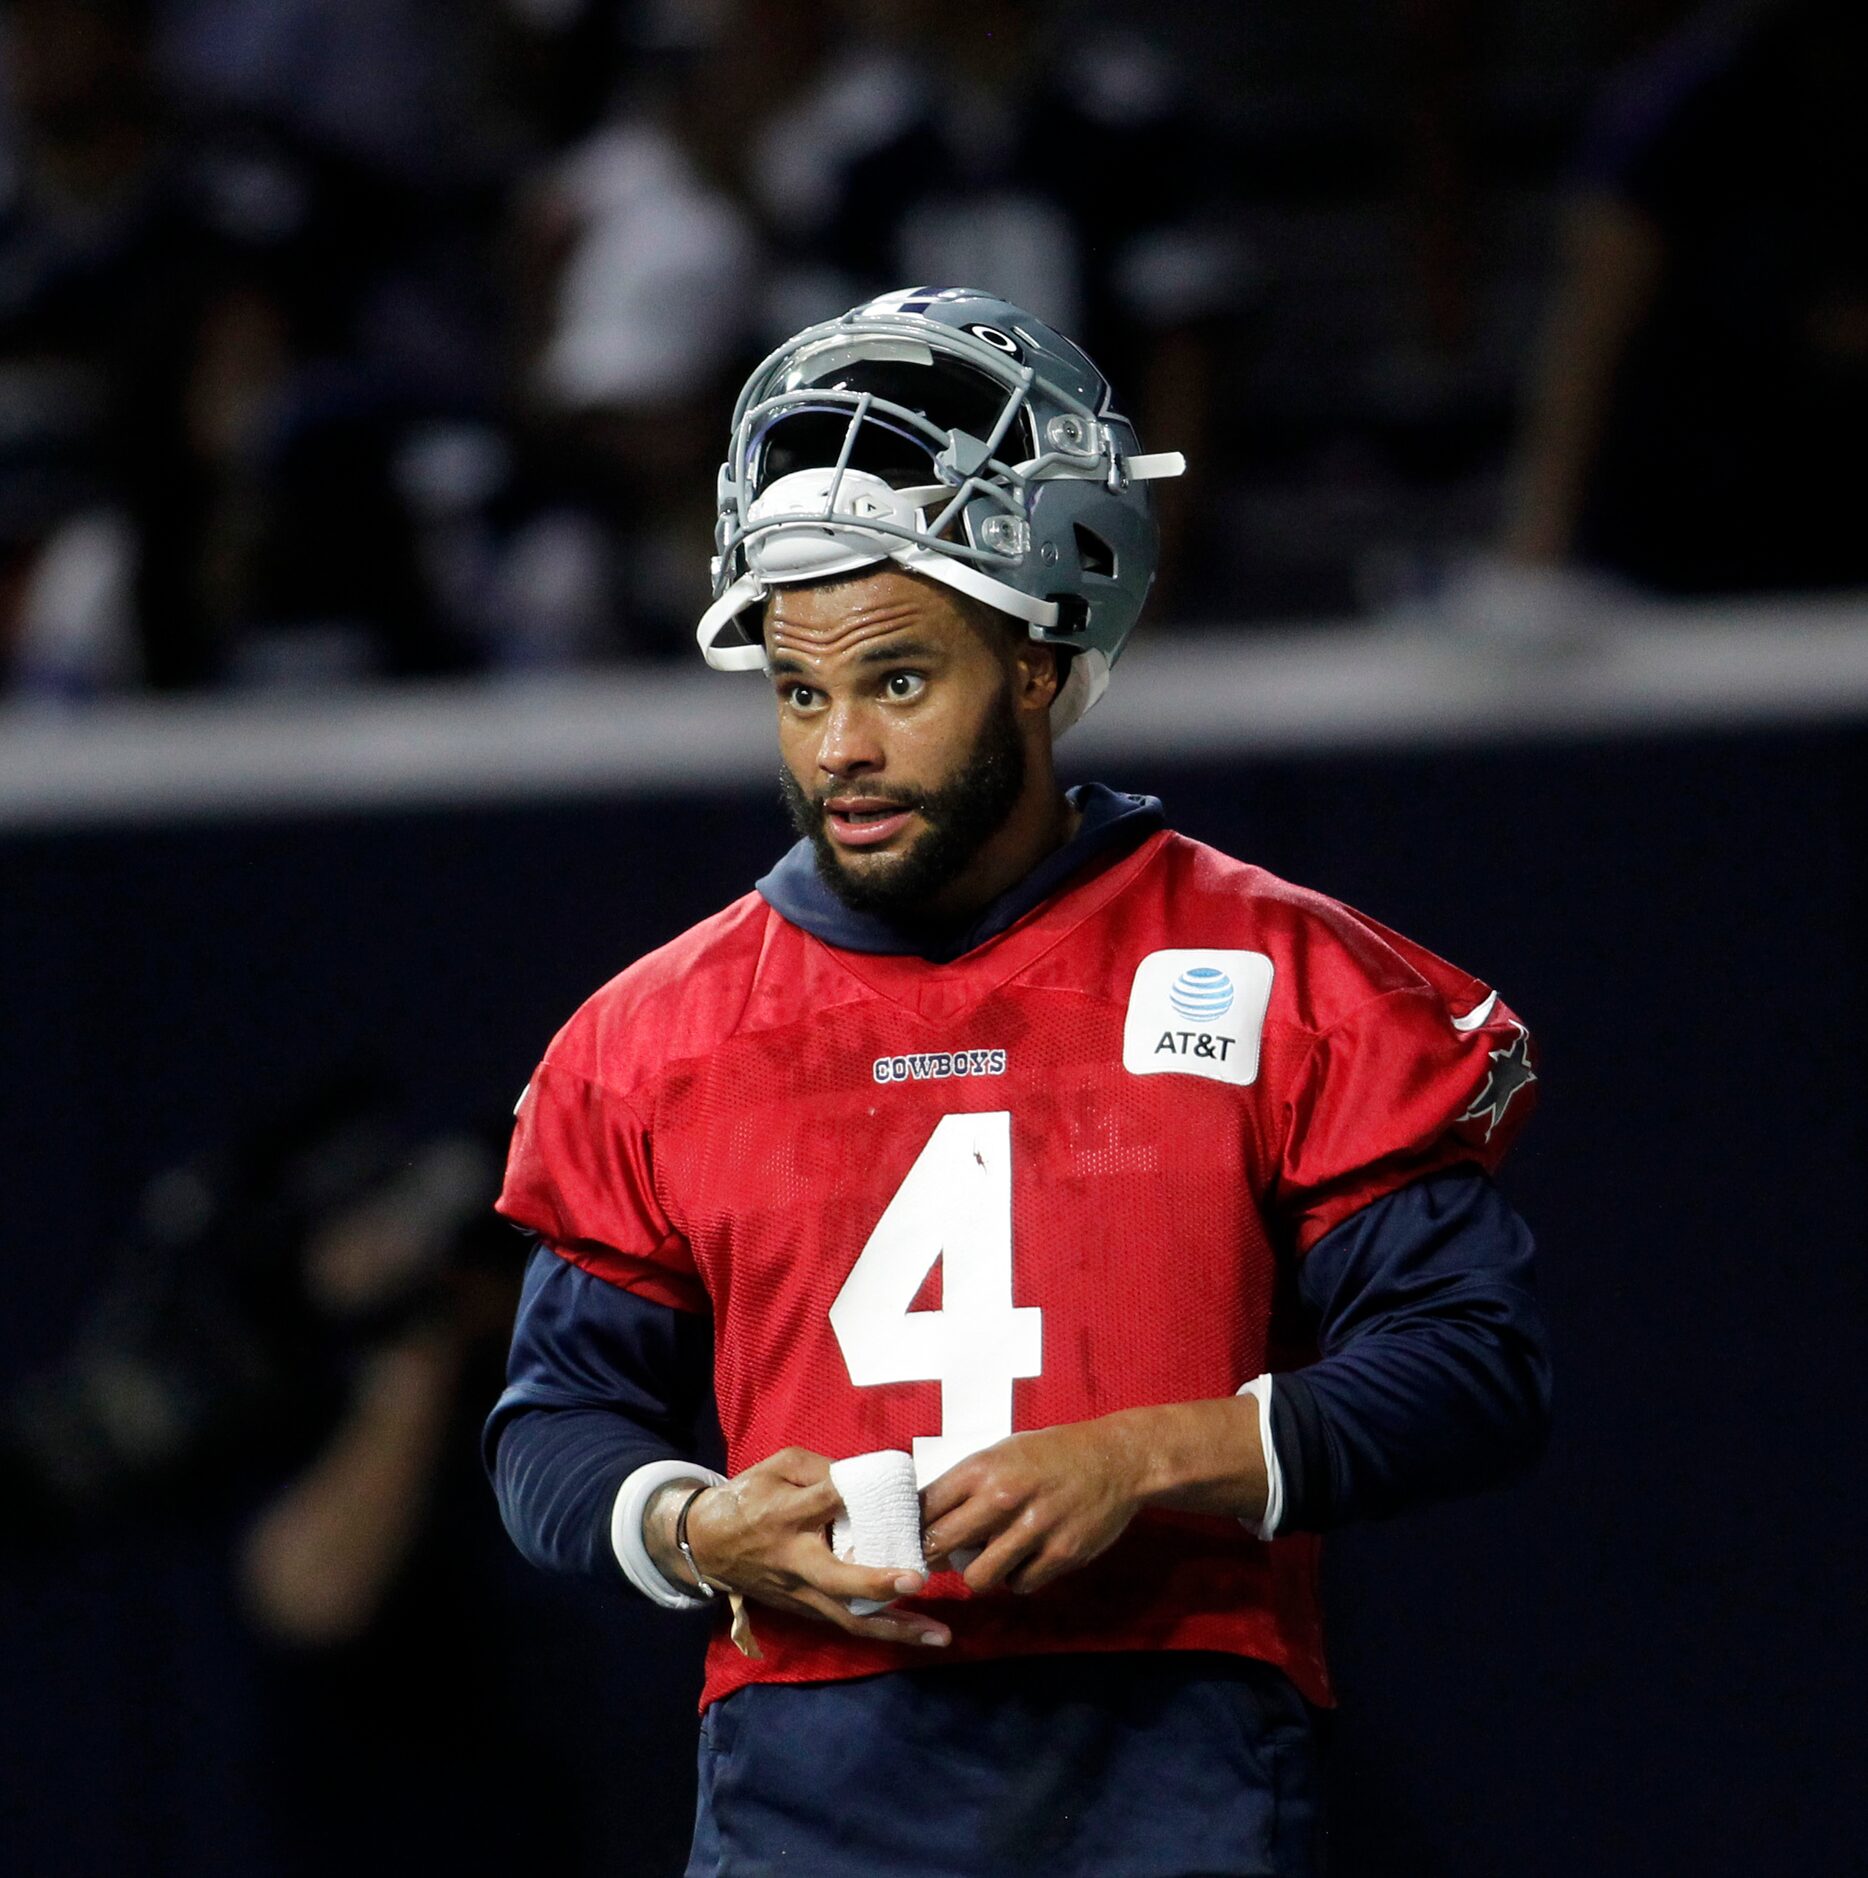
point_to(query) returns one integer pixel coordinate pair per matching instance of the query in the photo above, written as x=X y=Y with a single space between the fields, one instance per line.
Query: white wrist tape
x=626 y=1541
x=881 y=1519
x=1259 y=1389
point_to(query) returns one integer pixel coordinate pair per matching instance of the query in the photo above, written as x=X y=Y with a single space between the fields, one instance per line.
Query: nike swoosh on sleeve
x=1478 y=1014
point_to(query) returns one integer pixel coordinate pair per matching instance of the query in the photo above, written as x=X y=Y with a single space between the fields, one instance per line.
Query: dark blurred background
x=344 y=339
x=363 y=367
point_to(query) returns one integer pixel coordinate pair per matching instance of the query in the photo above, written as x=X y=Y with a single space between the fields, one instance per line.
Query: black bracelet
x=681 y=1538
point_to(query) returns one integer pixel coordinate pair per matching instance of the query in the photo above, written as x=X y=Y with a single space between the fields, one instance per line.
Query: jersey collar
x=1112 y=824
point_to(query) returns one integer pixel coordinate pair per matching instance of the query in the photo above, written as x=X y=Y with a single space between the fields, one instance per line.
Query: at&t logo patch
x=1203 y=993
x=1197 y=1014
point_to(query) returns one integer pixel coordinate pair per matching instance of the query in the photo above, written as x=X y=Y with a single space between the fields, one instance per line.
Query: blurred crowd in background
x=346 y=338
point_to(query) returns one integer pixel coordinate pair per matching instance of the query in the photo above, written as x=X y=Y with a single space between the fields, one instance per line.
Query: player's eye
x=903 y=687
x=800 y=697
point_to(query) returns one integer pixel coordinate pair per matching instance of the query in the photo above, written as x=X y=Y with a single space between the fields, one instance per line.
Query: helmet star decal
x=1509 y=1071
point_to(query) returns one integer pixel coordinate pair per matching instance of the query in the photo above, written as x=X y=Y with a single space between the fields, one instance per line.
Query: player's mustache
x=895 y=798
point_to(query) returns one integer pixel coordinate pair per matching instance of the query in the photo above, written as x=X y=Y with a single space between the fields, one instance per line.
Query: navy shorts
x=1164 y=1765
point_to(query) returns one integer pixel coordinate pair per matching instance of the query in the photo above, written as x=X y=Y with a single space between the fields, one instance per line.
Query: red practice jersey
x=930 y=1205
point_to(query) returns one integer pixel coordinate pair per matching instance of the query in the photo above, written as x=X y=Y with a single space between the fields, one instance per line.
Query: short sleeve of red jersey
x=580 y=1175
x=1404 y=1086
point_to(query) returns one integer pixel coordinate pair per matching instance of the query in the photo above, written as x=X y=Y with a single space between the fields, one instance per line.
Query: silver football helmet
x=952 y=433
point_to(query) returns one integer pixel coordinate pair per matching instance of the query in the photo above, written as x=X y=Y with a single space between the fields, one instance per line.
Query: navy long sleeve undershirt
x=600 y=1382
x=1434 y=1377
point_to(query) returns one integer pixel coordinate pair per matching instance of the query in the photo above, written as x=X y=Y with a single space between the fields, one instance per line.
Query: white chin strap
x=807 y=549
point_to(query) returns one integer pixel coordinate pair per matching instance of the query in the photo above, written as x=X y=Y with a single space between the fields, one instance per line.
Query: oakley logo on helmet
x=994 y=337
x=953 y=434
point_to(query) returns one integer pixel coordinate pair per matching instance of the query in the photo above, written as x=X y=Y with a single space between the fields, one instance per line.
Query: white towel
x=881 y=1519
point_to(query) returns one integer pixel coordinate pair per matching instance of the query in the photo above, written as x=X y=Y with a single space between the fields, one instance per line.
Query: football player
x=1144 y=1199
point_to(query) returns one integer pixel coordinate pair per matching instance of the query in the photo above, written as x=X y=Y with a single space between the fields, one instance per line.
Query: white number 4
x=954 y=1206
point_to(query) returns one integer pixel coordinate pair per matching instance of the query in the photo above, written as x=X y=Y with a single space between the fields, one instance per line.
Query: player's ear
x=1038 y=674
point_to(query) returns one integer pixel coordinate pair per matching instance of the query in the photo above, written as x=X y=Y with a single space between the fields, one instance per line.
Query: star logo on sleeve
x=1509 y=1070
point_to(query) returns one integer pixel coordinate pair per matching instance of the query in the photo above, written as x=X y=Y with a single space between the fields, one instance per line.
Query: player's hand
x=765 y=1534
x=1036 y=1505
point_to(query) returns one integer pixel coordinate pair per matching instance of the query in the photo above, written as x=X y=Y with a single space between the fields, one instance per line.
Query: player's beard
x=961 y=817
